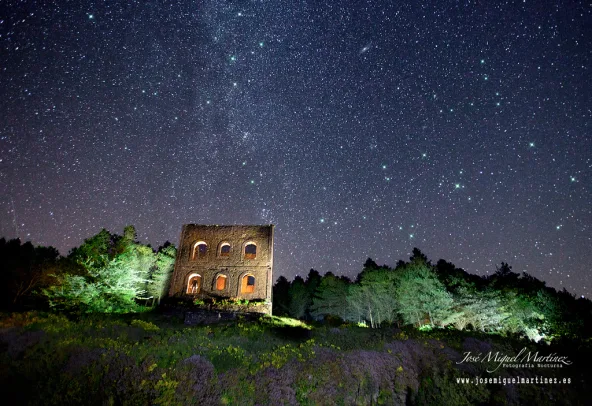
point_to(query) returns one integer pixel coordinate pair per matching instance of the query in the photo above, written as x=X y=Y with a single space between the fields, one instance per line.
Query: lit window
x=221 y=282
x=250 y=251
x=248 y=284
x=200 y=249
x=225 y=249
x=193 y=284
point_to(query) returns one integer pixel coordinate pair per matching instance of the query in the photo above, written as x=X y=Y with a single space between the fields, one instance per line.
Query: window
x=250 y=250
x=225 y=249
x=200 y=249
x=221 y=282
x=248 y=284
x=193 y=284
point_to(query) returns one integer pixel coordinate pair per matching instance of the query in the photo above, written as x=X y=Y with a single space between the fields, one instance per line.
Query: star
x=369 y=124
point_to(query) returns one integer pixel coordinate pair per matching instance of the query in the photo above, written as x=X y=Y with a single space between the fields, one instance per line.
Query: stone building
x=224 y=262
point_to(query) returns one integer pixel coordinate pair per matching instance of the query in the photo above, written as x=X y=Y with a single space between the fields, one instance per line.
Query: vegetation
x=152 y=358
x=425 y=296
x=100 y=345
x=108 y=273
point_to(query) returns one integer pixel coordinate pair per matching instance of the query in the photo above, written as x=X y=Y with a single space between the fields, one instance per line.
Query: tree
x=299 y=298
x=116 y=275
x=281 y=296
x=24 y=269
x=330 y=298
x=378 y=286
x=130 y=234
x=161 y=272
x=504 y=277
x=112 y=288
x=420 y=294
x=417 y=255
x=359 y=306
x=97 y=250
x=483 y=311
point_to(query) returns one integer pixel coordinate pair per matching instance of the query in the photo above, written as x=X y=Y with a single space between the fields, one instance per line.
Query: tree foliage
x=421 y=296
x=161 y=272
x=443 y=295
x=119 y=274
x=330 y=298
x=24 y=269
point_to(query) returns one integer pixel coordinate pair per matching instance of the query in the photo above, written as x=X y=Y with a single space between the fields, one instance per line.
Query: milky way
x=360 y=129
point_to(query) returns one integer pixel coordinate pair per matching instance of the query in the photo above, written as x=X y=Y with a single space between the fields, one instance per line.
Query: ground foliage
x=152 y=358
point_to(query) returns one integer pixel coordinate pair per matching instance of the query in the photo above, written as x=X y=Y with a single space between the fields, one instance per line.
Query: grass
x=153 y=358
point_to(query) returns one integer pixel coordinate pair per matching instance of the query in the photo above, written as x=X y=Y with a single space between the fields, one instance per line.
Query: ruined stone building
x=224 y=262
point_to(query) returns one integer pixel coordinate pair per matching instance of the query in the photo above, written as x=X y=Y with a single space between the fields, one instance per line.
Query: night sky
x=359 y=128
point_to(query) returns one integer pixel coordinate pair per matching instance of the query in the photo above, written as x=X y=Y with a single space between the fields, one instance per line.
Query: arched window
x=225 y=249
x=193 y=284
x=250 y=250
x=248 y=284
x=221 y=282
x=200 y=249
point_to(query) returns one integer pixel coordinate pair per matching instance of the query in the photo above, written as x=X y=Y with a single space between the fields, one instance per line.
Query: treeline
x=108 y=273
x=426 y=296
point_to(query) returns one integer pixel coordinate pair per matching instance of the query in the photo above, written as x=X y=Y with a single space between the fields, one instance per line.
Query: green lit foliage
x=429 y=297
x=379 y=286
x=358 y=304
x=118 y=274
x=372 y=299
x=275 y=321
x=421 y=296
x=295 y=299
x=161 y=272
x=481 y=311
x=112 y=288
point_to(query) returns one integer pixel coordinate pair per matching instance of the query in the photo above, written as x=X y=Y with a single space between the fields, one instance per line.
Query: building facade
x=224 y=262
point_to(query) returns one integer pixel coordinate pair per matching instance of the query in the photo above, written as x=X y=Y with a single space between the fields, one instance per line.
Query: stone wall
x=206 y=265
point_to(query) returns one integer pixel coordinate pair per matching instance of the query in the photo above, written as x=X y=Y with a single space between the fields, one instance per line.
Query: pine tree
x=330 y=298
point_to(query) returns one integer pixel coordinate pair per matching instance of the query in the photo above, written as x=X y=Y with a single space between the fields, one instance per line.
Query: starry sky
x=359 y=128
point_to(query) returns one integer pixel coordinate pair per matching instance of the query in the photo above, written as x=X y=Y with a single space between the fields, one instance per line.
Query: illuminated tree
x=380 y=287
x=482 y=310
x=420 y=294
x=112 y=288
x=117 y=270
x=161 y=272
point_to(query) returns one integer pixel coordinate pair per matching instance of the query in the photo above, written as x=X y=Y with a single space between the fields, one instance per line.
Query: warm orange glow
x=193 y=284
x=221 y=282
x=248 y=284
